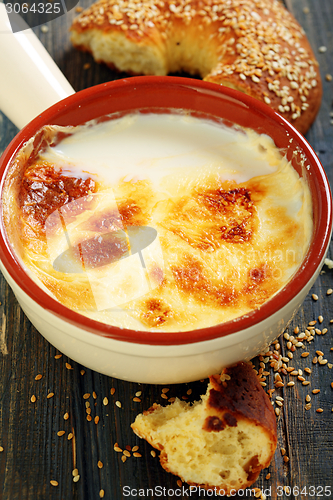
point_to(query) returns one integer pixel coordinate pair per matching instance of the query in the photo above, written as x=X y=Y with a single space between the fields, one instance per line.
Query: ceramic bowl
x=166 y=358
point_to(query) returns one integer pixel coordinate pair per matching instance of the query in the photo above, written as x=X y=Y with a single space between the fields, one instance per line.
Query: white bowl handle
x=30 y=81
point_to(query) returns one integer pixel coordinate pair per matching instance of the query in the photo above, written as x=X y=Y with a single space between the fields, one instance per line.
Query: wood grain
x=33 y=454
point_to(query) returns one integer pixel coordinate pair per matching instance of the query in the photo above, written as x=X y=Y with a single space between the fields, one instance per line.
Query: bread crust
x=233 y=400
x=255 y=47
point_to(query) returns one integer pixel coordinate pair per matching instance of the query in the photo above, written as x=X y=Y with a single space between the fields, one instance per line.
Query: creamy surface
x=152 y=146
x=185 y=222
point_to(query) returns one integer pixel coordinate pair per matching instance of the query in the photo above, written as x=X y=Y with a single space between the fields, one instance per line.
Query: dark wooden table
x=45 y=430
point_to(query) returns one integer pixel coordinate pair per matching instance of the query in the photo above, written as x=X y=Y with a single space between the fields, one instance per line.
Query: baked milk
x=161 y=222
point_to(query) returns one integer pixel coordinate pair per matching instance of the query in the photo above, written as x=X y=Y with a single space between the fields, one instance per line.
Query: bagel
x=254 y=46
x=222 y=441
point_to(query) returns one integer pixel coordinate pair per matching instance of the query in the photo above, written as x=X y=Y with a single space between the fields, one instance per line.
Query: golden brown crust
x=235 y=408
x=255 y=47
x=236 y=394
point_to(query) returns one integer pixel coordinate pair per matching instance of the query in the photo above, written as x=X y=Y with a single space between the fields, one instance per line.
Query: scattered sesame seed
x=82 y=372
x=100 y=464
x=86 y=395
x=322 y=49
x=118 y=403
x=86 y=66
x=286 y=459
x=315 y=297
x=57 y=356
x=137 y=455
x=329 y=78
x=89 y=418
x=268 y=476
x=153 y=453
x=105 y=401
x=137 y=400
x=101 y=494
x=306 y=10
x=33 y=399
x=66 y=416
x=44 y=28
x=70 y=436
x=315 y=391
x=68 y=366
x=53 y=482
x=1 y=449
x=319 y=410
x=96 y=419
x=76 y=478
x=123 y=458
x=112 y=391
x=38 y=377
x=117 y=448
x=60 y=433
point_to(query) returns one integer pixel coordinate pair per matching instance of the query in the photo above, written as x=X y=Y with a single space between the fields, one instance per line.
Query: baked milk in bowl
x=157 y=229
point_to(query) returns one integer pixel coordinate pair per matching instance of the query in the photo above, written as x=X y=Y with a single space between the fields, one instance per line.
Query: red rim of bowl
x=318 y=184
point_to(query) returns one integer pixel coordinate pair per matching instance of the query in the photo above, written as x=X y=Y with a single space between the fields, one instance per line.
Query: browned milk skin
x=233 y=219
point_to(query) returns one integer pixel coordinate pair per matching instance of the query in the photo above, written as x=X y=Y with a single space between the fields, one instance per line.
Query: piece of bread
x=222 y=441
x=255 y=47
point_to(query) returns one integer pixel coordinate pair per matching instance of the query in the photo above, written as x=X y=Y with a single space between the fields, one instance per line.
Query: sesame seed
x=322 y=49
x=1 y=449
x=66 y=416
x=320 y=319
x=101 y=493
x=68 y=366
x=116 y=448
x=112 y=391
x=89 y=418
x=60 y=433
x=76 y=478
x=315 y=391
x=100 y=464
x=137 y=400
x=96 y=419
x=70 y=436
x=33 y=399
x=86 y=396
x=308 y=398
x=57 y=356
x=138 y=394
x=118 y=403
x=105 y=401
x=82 y=372
x=126 y=453
x=290 y=384
x=153 y=453
x=135 y=448
x=305 y=354
x=277 y=411
x=123 y=458
x=137 y=455
x=315 y=296
x=53 y=482
x=319 y=410
x=94 y=395
x=38 y=377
